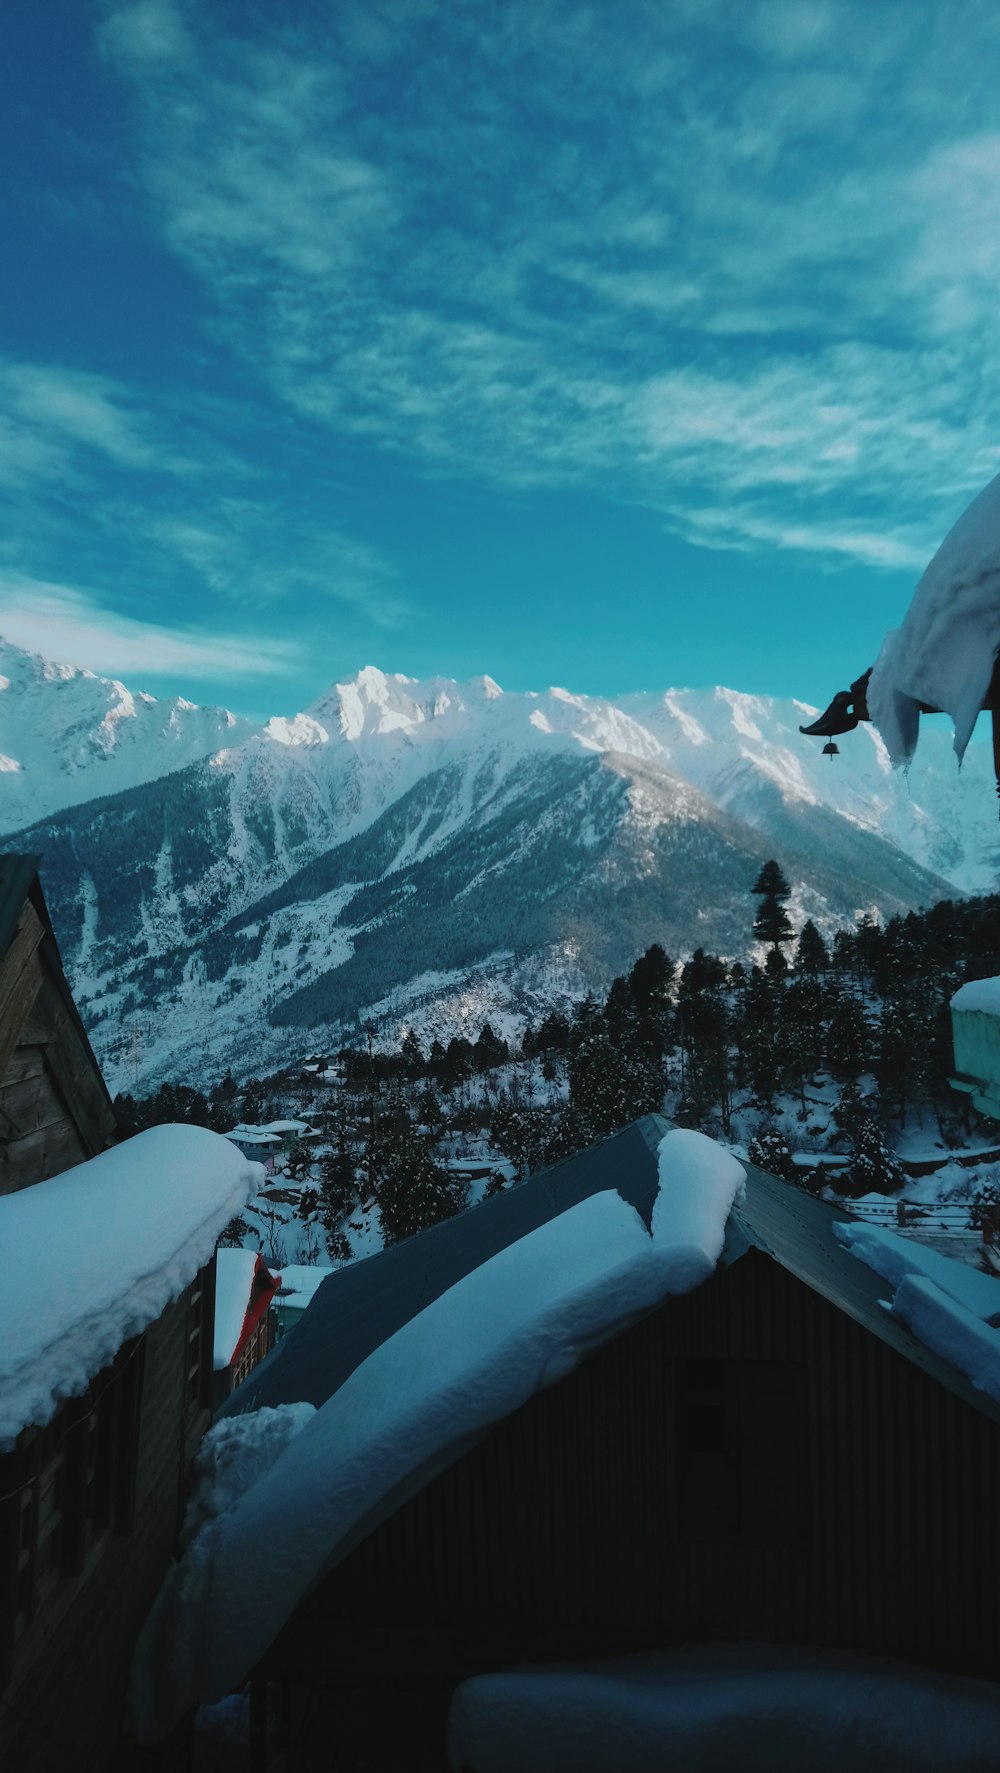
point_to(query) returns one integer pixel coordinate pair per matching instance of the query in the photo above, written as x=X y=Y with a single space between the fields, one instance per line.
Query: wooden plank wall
x=54 y=1109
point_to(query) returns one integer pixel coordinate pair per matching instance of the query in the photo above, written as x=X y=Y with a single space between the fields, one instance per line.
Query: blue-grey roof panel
x=356 y=1309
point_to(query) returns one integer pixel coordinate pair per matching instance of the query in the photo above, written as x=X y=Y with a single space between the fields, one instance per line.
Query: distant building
x=245 y=1324
x=975 y=1025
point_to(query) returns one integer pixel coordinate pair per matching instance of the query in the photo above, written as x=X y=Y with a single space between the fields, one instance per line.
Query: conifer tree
x=411 y=1190
x=771 y=923
x=811 y=955
x=770 y=1151
x=874 y=1170
x=337 y=1186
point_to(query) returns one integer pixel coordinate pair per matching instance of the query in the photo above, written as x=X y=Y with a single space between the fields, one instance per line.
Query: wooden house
x=773 y=1456
x=245 y=1323
x=107 y=1268
x=54 y=1107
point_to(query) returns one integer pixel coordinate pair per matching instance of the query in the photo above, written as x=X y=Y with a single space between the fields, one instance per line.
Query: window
x=200 y=1341
x=63 y=1490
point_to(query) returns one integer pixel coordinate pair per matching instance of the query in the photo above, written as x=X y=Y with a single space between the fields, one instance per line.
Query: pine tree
x=771 y=923
x=337 y=1187
x=770 y=1151
x=571 y=1133
x=650 y=983
x=874 y=1170
x=298 y=1162
x=411 y=1190
x=848 y=1039
x=811 y=955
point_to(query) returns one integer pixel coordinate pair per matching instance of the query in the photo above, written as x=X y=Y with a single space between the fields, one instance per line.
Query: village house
x=245 y=1322
x=631 y=1404
x=975 y=1026
x=107 y=1262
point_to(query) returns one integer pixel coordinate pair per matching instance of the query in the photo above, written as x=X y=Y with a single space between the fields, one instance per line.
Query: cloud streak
x=732 y=257
x=67 y=624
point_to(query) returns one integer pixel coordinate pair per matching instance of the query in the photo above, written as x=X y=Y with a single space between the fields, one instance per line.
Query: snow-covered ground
x=726 y=1709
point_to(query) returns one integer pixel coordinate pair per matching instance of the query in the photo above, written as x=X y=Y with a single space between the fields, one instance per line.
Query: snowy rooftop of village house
x=234 y=1272
x=979 y=994
x=943 y=652
x=93 y=1256
x=300 y=1280
x=468 y=1346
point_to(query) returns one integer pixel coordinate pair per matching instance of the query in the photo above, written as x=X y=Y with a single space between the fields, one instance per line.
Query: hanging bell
x=830 y=749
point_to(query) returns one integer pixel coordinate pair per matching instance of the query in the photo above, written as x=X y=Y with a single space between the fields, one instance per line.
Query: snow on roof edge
x=92 y=1257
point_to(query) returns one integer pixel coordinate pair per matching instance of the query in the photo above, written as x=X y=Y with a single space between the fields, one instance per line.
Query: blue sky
x=611 y=345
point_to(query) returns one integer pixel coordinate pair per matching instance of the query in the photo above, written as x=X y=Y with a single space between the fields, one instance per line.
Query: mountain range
x=434 y=854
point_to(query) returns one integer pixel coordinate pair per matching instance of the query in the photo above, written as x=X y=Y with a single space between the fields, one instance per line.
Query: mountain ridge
x=404 y=837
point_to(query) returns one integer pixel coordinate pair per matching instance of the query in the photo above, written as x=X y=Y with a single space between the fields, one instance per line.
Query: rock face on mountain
x=231 y=893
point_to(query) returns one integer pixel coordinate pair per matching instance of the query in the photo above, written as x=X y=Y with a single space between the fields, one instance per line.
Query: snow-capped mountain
x=67 y=735
x=442 y=850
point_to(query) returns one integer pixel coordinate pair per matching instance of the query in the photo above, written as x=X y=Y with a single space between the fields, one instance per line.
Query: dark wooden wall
x=62 y=1708
x=54 y=1108
x=850 y=1501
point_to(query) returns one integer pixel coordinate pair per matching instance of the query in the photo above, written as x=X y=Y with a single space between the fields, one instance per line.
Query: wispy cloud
x=65 y=623
x=242 y=550
x=741 y=259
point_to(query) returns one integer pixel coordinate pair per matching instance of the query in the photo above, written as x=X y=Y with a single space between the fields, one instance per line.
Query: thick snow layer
x=978 y=994
x=955 y=1333
x=944 y=651
x=518 y=1323
x=698 y=1184
x=650 y=1714
x=234 y=1272
x=234 y=1454
x=93 y=1256
x=895 y=1258
x=950 y=1307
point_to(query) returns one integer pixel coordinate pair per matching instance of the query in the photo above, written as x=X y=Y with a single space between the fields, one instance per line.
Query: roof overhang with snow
x=93 y=1256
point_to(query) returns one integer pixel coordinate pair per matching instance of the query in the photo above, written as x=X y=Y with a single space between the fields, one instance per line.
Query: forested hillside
x=821 y=1061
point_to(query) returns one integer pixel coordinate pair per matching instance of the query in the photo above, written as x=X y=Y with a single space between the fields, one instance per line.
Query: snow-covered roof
x=978 y=994
x=234 y=1272
x=950 y=1307
x=516 y=1324
x=286 y=1126
x=943 y=652
x=253 y=1136
x=93 y=1256
x=300 y=1280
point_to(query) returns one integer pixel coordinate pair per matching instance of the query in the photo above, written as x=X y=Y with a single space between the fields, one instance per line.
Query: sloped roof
x=359 y=1306
x=796 y=1231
